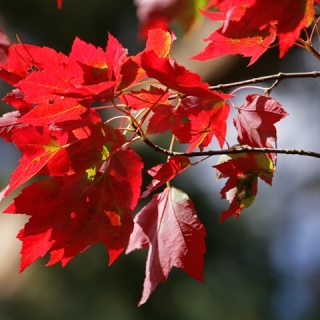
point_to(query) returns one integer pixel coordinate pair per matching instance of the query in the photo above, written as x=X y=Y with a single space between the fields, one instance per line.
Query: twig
x=279 y=76
x=235 y=150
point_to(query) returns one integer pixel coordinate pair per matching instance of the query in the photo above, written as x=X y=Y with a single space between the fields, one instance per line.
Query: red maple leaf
x=290 y=17
x=169 y=226
x=206 y=119
x=255 y=121
x=98 y=211
x=165 y=117
x=91 y=203
x=91 y=60
x=195 y=121
x=99 y=71
x=174 y=76
x=165 y=172
x=160 y=41
x=251 y=26
x=78 y=216
x=24 y=60
x=236 y=41
x=242 y=171
x=41 y=87
x=38 y=149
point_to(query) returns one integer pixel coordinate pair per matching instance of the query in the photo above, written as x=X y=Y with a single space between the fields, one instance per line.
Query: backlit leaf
x=169 y=226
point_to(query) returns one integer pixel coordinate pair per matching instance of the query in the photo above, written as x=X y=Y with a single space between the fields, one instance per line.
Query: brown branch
x=279 y=76
x=235 y=150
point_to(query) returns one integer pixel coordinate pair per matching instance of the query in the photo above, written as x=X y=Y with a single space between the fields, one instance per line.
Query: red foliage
x=250 y=26
x=91 y=178
x=169 y=226
x=255 y=121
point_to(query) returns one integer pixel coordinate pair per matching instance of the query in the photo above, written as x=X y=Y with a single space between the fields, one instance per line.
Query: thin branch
x=235 y=150
x=279 y=76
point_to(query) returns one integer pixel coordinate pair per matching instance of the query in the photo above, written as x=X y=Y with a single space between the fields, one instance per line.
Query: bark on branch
x=235 y=150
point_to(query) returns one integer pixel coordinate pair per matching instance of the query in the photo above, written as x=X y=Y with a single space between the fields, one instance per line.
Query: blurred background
x=265 y=266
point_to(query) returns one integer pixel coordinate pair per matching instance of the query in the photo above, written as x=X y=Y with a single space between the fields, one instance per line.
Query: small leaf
x=255 y=121
x=160 y=41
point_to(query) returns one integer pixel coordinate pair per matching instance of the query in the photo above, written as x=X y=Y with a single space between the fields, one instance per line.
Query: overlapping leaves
x=250 y=26
x=89 y=177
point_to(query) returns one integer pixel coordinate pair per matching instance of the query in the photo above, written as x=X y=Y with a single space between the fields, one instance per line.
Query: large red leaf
x=99 y=71
x=116 y=55
x=169 y=226
x=90 y=59
x=255 y=121
x=24 y=59
x=172 y=75
x=98 y=208
x=41 y=87
x=89 y=213
x=91 y=203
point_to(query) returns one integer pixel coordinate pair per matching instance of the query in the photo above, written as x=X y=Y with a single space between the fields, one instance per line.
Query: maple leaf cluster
x=92 y=176
x=251 y=26
x=88 y=176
